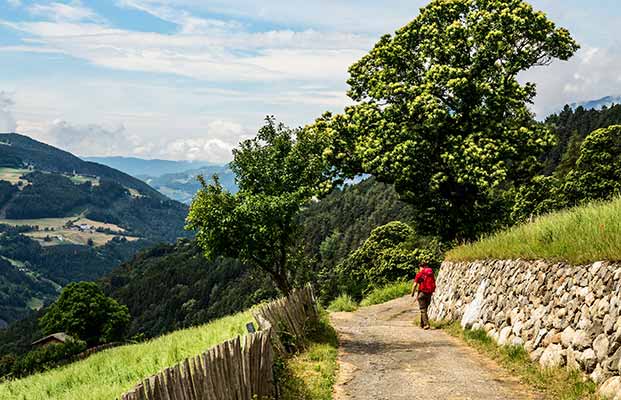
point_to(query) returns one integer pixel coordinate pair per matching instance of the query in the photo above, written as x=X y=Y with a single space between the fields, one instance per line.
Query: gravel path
x=384 y=356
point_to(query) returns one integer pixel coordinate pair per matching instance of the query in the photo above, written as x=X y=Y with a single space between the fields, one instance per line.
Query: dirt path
x=384 y=356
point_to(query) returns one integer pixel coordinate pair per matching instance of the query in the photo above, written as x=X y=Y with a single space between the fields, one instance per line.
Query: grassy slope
x=108 y=374
x=579 y=235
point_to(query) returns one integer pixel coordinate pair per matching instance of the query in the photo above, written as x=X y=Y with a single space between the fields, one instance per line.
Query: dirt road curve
x=384 y=356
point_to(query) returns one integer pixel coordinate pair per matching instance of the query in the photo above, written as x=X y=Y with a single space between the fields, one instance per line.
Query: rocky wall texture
x=563 y=315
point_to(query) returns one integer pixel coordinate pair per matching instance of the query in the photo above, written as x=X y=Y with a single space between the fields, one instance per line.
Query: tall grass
x=108 y=374
x=343 y=303
x=580 y=235
x=386 y=293
x=311 y=375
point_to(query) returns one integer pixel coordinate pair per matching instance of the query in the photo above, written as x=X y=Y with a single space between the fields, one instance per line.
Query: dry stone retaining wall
x=563 y=315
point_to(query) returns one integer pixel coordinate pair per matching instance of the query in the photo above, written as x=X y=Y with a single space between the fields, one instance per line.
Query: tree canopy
x=441 y=114
x=278 y=172
x=85 y=312
x=597 y=171
x=392 y=252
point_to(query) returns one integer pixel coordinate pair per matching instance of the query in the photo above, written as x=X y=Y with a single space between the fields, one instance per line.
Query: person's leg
x=423 y=302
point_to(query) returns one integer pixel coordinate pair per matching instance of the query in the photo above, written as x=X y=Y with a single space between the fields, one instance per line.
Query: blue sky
x=188 y=79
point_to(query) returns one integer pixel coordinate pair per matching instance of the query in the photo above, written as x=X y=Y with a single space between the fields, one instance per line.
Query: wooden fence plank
x=240 y=368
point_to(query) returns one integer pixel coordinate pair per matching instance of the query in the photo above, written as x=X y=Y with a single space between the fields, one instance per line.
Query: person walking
x=424 y=286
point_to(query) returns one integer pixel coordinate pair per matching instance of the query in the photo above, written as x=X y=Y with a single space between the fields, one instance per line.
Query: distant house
x=54 y=338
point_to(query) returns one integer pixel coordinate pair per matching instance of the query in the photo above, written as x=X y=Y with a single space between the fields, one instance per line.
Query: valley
x=63 y=220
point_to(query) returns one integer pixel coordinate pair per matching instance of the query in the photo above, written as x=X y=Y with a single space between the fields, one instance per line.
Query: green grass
x=553 y=383
x=108 y=374
x=311 y=375
x=387 y=293
x=580 y=235
x=343 y=303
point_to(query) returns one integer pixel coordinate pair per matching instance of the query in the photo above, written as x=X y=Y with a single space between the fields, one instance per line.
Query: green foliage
x=579 y=235
x=108 y=374
x=46 y=358
x=392 y=252
x=171 y=287
x=542 y=195
x=442 y=115
x=597 y=172
x=84 y=311
x=311 y=375
x=570 y=128
x=340 y=223
x=278 y=172
x=386 y=293
x=344 y=302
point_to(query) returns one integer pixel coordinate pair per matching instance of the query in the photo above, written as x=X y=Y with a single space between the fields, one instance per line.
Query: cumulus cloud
x=215 y=143
x=7 y=121
x=591 y=74
x=89 y=139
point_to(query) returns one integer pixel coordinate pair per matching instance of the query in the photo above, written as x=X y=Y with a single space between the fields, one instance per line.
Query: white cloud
x=188 y=23
x=14 y=3
x=89 y=139
x=361 y=16
x=7 y=121
x=73 y=11
x=209 y=50
x=591 y=74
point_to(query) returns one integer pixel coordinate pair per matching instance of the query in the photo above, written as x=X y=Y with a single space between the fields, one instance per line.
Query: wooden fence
x=241 y=368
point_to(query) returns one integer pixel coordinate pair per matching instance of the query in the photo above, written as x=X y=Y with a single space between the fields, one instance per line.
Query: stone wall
x=563 y=315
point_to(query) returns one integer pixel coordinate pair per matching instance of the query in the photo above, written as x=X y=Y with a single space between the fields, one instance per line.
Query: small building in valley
x=54 y=338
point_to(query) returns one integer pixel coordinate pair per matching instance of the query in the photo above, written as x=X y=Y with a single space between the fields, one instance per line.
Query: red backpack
x=428 y=283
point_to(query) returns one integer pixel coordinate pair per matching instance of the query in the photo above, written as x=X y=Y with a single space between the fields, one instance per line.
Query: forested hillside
x=64 y=220
x=571 y=127
x=174 y=286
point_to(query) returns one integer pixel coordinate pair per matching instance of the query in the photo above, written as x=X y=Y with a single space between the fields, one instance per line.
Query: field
x=580 y=235
x=57 y=229
x=80 y=179
x=108 y=374
x=12 y=175
x=73 y=237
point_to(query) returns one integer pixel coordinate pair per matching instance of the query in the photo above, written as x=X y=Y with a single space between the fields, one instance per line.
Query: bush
x=392 y=252
x=343 y=303
x=46 y=358
x=85 y=312
x=386 y=293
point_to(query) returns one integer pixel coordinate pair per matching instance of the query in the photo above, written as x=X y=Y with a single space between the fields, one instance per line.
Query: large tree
x=85 y=312
x=440 y=111
x=278 y=173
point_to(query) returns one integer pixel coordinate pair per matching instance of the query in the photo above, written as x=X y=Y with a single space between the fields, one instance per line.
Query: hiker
x=424 y=285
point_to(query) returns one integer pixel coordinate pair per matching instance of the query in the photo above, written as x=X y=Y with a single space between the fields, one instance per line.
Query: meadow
x=578 y=235
x=108 y=374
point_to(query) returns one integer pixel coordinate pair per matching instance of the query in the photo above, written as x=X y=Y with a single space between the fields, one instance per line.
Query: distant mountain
x=183 y=186
x=139 y=167
x=597 y=104
x=63 y=219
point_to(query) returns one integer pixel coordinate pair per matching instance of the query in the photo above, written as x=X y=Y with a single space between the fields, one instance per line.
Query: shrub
x=343 y=303
x=386 y=293
x=392 y=252
x=46 y=358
